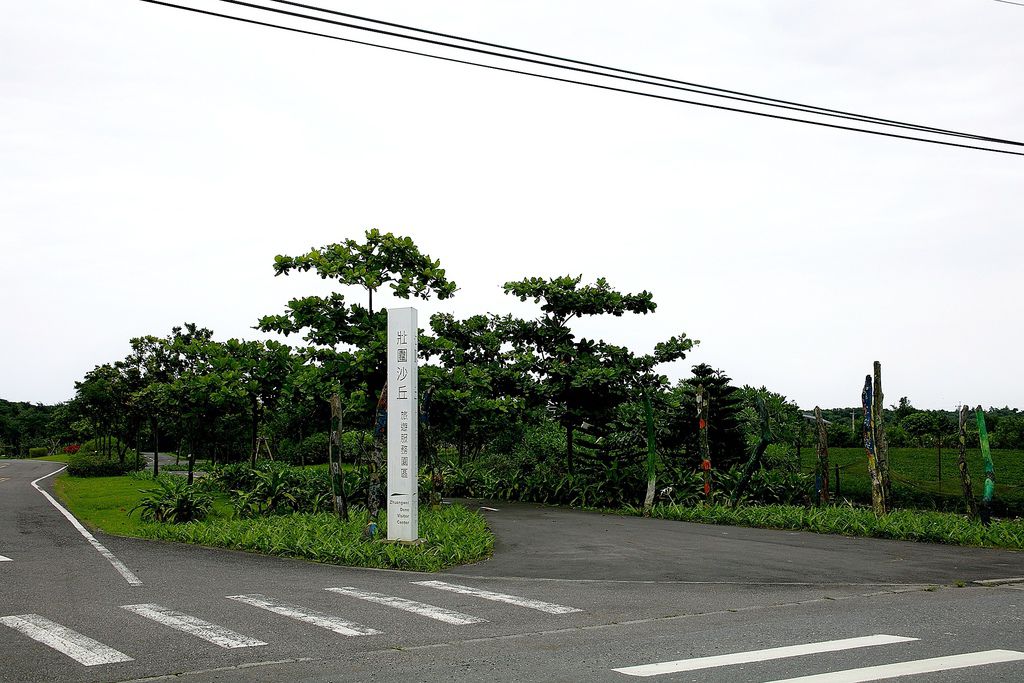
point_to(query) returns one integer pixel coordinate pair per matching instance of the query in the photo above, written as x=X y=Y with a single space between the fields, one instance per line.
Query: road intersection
x=568 y=596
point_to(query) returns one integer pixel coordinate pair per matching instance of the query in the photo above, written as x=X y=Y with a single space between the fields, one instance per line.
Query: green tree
x=584 y=380
x=347 y=341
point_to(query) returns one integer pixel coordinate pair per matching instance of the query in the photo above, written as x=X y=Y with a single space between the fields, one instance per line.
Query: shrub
x=71 y=449
x=173 y=501
x=81 y=465
x=310 y=451
x=37 y=452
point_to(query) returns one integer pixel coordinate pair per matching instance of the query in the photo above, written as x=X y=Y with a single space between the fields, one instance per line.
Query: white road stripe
x=5 y=559
x=116 y=563
x=82 y=649
x=549 y=607
x=213 y=633
x=920 y=666
x=421 y=608
x=327 y=621
x=759 y=655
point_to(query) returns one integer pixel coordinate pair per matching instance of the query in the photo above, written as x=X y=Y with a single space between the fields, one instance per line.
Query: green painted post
x=990 y=470
x=334 y=457
x=652 y=456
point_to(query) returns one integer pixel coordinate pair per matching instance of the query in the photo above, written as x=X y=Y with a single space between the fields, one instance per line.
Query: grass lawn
x=59 y=457
x=916 y=471
x=454 y=535
x=104 y=502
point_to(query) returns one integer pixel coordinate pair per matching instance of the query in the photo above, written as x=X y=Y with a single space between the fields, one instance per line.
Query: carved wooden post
x=881 y=445
x=705 y=449
x=822 y=448
x=990 y=472
x=965 y=475
x=877 y=498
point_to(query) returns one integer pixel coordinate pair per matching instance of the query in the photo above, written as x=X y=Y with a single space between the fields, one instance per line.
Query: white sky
x=153 y=162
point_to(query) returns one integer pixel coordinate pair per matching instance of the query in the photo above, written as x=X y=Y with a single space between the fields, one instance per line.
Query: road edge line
x=120 y=566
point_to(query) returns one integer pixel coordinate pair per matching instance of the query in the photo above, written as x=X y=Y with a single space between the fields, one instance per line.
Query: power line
x=690 y=86
x=581 y=83
x=1009 y=2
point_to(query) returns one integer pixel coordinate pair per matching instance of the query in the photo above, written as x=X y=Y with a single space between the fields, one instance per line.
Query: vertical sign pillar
x=403 y=425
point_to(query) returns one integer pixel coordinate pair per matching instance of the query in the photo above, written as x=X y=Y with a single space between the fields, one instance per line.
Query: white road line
x=760 y=655
x=5 y=559
x=218 y=635
x=327 y=621
x=421 y=608
x=920 y=666
x=549 y=607
x=128 y=575
x=82 y=649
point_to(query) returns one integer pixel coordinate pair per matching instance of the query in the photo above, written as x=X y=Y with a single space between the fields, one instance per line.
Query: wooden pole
x=965 y=475
x=822 y=448
x=990 y=472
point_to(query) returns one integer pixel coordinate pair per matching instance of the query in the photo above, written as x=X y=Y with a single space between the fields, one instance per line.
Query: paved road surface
x=568 y=596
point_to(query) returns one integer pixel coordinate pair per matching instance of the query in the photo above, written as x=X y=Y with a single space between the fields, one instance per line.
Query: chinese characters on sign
x=403 y=396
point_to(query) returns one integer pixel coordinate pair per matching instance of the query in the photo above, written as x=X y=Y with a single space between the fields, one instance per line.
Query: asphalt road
x=642 y=591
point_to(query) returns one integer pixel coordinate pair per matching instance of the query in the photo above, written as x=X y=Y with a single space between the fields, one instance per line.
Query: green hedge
x=37 y=452
x=80 y=465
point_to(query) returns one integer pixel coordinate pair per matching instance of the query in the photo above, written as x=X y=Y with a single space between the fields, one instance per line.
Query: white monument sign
x=403 y=425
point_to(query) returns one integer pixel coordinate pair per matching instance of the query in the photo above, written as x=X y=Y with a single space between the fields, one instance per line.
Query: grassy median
x=454 y=535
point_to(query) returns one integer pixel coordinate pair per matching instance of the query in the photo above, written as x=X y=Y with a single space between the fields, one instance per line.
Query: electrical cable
x=692 y=87
x=575 y=82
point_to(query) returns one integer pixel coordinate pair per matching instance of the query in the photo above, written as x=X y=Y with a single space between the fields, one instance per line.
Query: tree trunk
x=822 y=448
x=191 y=460
x=965 y=475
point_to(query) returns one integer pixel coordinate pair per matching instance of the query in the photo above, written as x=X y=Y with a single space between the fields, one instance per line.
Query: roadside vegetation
x=288 y=515
x=512 y=408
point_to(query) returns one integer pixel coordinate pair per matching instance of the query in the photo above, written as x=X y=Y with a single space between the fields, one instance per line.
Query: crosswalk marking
x=421 y=608
x=540 y=605
x=213 y=633
x=920 y=666
x=82 y=649
x=760 y=655
x=327 y=621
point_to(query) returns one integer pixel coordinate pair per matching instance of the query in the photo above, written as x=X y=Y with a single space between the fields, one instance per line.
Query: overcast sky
x=153 y=162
